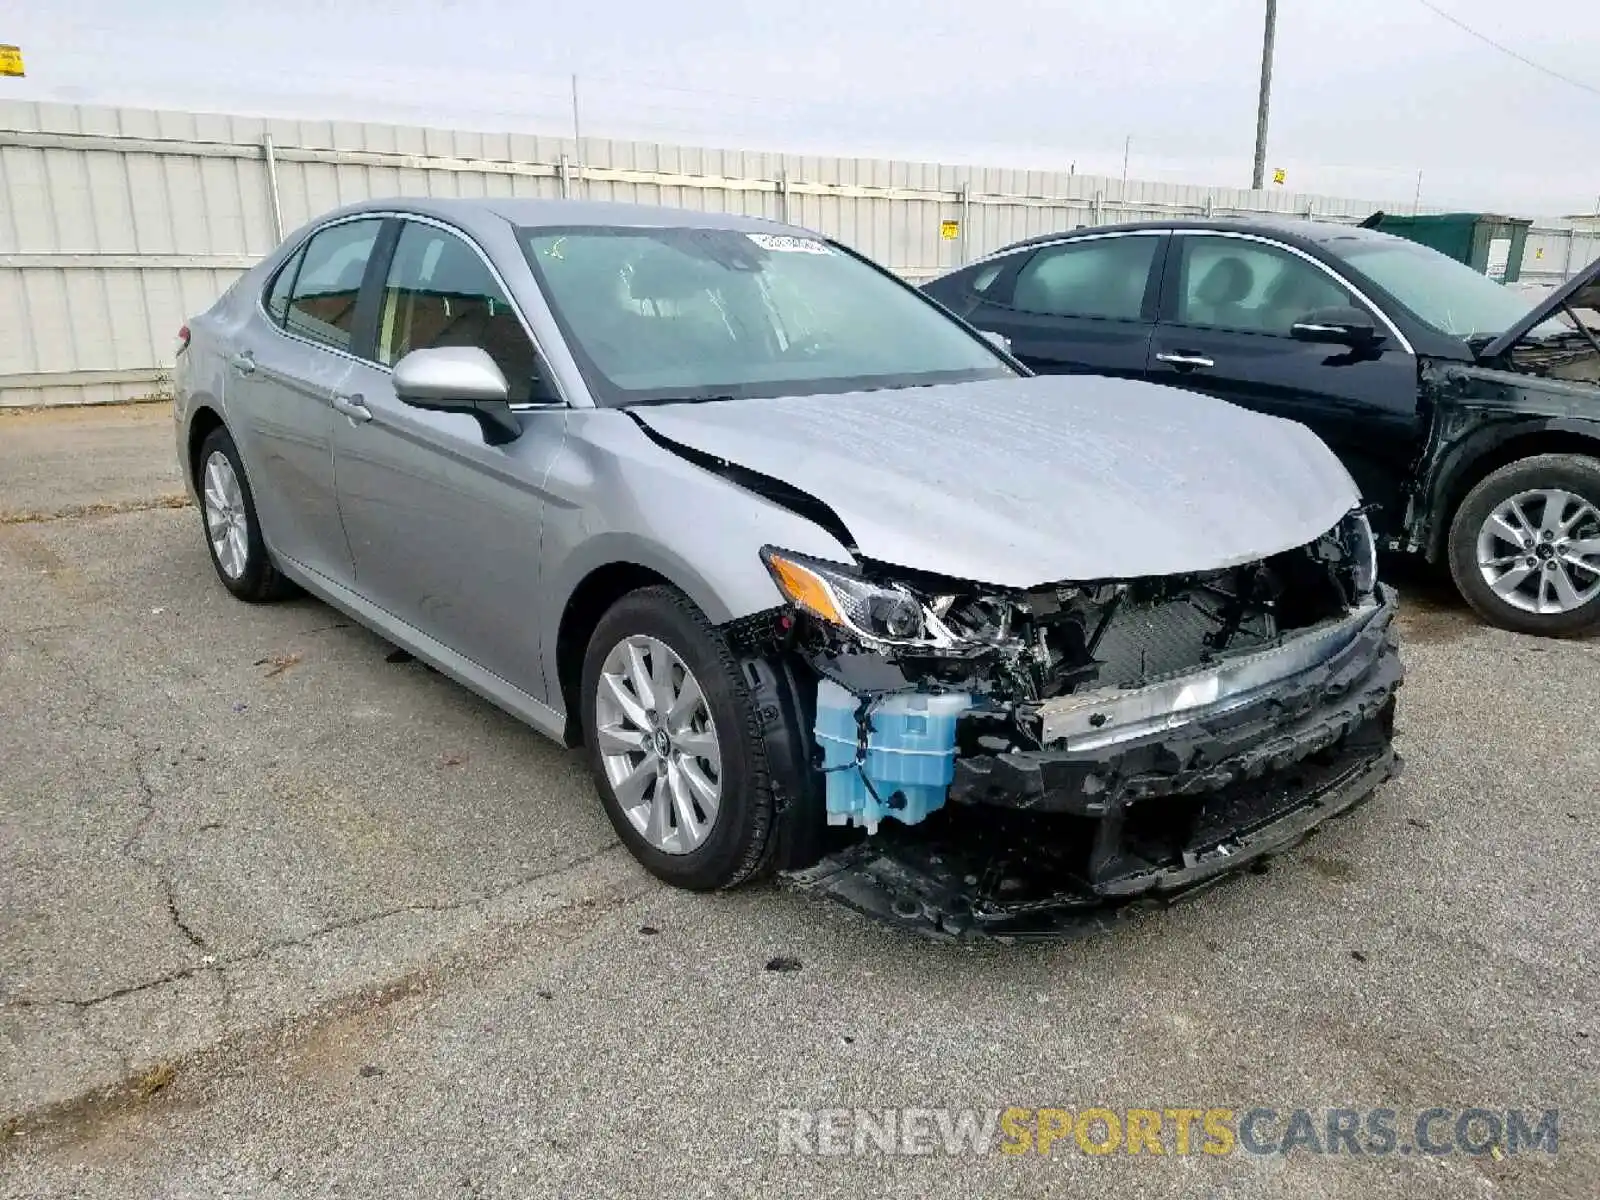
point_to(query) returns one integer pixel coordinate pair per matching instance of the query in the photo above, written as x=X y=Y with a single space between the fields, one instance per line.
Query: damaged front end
x=1018 y=759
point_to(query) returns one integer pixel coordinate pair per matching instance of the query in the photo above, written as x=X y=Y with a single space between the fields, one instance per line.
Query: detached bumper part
x=1048 y=841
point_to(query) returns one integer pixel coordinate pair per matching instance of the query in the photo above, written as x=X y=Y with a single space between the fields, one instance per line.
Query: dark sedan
x=1468 y=414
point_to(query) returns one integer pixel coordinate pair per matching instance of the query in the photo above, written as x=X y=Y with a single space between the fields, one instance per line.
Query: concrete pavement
x=283 y=917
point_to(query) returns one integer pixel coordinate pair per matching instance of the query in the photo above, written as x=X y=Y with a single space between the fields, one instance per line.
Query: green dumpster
x=1484 y=241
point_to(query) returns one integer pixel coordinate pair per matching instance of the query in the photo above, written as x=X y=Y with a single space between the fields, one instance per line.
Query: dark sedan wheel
x=233 y=534
x=674 y=743
x=1525 y=546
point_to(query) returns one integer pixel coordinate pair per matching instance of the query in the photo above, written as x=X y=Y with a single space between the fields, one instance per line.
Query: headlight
x=832 y=593
x=1363 y=554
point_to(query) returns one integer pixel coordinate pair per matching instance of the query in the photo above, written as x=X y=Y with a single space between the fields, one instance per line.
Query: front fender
x=1477 y=411
x=614 y=496
x=1458 y=463
x=727 y=597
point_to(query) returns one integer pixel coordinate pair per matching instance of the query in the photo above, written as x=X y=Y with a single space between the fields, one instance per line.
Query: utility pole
x=575 y=131
x=577 y=145
x=1258 y=178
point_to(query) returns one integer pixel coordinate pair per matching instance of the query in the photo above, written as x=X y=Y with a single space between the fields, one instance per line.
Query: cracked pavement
x=197 y=839
x=325 y=923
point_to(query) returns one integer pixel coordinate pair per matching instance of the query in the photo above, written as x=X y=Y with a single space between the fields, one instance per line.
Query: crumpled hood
x=1019 y=482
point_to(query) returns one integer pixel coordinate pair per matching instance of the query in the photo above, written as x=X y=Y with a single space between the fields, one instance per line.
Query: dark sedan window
x=1446 y=294
x=1231 y=283
x=1096 y=277
x=658 y=314
x=322 y=306
x=984 y=279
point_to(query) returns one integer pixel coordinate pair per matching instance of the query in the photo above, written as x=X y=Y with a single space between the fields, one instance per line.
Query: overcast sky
x=1366 y=92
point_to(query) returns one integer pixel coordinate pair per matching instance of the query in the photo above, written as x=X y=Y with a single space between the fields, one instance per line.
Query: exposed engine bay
x=1572 y=358
x=1014 y=755
x=1052 y=641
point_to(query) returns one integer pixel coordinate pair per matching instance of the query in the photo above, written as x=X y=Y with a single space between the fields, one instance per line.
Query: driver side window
x=440 y=292
x=1233 y=284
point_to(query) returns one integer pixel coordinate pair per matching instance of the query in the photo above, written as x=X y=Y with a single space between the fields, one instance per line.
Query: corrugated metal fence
x=117 y=224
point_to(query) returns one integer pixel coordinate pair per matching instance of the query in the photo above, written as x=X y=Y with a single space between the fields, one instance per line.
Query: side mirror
x=459 y=379
x=1343 y=326
x=999 y=340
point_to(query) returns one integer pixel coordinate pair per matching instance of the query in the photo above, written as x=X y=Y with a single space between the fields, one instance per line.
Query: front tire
x=1524 y=546
x=232 y=529
x=674 y=743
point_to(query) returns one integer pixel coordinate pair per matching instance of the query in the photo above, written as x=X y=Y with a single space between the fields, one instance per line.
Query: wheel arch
x=1474 y=459
x=594 y=595
x=202 y=422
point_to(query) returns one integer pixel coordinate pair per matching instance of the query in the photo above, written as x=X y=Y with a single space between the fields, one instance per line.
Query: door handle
x=244 y=362
x=1186 y=360
x=353 y=406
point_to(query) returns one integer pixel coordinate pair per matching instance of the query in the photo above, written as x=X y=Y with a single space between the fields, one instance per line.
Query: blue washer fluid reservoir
x=909 y=761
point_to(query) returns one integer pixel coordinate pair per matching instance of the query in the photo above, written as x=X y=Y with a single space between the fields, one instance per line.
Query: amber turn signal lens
x=804 y=589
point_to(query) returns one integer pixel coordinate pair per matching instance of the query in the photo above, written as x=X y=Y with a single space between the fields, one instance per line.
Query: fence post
x=271 y=158
x=783 y=194
x=566 y=178
x=966 y=220
x=1094 y=209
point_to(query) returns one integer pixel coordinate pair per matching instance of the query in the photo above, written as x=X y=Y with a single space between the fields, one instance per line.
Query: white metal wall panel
x=1552 y=253
x=117 y=224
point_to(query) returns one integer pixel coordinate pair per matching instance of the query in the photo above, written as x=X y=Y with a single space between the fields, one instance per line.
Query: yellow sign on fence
x=1279 y=175
x=949 y=230
x=10 y=60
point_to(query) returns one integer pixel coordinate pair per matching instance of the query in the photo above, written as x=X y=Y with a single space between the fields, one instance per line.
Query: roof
x=468 y=212
x=1284 y=227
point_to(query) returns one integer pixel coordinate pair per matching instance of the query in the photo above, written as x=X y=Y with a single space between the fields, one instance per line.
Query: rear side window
x=278 y=295
x=322 y=300
x=441 y=293
x=984 y=279
x=1099 y=277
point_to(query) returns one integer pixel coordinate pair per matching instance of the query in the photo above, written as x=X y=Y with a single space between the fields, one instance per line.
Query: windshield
x=655 y=315
x=1439 y=291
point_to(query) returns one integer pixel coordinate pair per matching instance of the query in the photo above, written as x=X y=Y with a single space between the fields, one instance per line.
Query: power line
x=1504 y=49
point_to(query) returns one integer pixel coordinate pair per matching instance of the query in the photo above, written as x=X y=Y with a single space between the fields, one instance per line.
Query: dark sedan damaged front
x=1016 y=760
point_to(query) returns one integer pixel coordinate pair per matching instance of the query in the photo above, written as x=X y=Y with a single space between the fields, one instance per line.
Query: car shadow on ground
x=1431 y=610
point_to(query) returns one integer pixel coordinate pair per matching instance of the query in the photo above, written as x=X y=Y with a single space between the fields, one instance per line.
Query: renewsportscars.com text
x=1177 y=1131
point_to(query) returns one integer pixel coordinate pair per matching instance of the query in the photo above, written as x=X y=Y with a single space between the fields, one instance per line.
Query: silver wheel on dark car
x=227 y=522
x=658 y=744
x=1539 y=551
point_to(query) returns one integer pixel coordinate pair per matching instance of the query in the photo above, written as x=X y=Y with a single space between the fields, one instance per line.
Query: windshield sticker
x=789 y=245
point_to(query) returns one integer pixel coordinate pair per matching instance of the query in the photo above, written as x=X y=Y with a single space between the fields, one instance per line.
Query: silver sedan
x=819 y=575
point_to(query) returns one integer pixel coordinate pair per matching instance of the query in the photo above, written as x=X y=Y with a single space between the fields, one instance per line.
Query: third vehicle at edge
x=1468 y=414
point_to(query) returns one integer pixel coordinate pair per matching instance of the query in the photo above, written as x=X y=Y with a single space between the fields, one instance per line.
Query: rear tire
x=652 y=767
x=1524 y=546
x=232 y=529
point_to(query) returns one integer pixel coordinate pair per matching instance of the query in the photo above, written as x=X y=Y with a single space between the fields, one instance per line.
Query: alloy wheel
x=658 y=744
x=227 y=524
x=1539 y=551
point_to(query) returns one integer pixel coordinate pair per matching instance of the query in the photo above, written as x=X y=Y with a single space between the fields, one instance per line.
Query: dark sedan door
x=1082 y=306
x=1227 y=306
